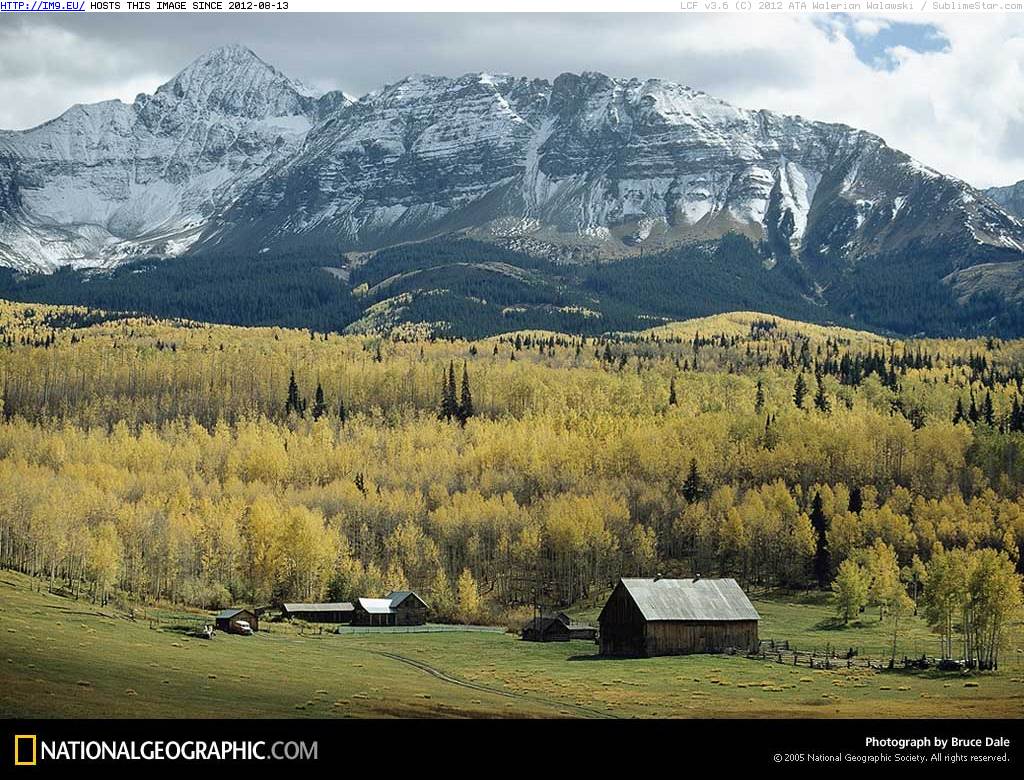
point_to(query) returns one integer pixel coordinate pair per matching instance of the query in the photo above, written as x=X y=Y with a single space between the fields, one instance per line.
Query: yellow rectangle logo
x=19 y=739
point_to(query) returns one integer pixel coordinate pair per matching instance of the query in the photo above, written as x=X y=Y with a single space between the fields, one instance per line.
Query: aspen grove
x=202 y=464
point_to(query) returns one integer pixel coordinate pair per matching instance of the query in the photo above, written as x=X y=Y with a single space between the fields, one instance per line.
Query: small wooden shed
x=329 y=612
x=546 y=629
x=648 y=617
x=558 y=627
x=228 y=619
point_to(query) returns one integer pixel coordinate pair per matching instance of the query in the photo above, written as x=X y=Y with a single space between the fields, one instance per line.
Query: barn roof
x=227 y=614
x=398 y=596
x=376 y=606
x=337 y=606
x=542 y=624
x=700 y=599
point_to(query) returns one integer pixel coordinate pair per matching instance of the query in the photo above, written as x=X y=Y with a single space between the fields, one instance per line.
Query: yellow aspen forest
x=145 y=460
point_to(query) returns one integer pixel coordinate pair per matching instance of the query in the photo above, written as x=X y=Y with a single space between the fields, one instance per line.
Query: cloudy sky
x=947 y=89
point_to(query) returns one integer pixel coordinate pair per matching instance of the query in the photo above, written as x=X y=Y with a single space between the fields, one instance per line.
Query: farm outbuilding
x=582 y=631
x=648 y=617
x=557 y=628
x=331 y=612
x=228 y=619
x=398 y=608
x=546 y=629
x=409 y=608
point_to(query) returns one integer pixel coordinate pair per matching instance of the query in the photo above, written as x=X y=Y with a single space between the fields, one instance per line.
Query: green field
x=65 y=658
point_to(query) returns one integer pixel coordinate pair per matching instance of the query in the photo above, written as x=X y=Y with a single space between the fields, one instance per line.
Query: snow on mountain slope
x=591 y=165
x=108 y=181
x=232 y=155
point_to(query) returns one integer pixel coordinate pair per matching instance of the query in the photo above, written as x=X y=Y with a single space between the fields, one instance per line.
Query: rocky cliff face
x=232 y=155
x=1011 y=198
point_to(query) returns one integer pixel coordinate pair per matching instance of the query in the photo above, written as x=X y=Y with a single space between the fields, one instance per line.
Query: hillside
x=579 y=445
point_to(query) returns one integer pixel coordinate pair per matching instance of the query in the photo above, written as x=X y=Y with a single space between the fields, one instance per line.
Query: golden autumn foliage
x=158 y=459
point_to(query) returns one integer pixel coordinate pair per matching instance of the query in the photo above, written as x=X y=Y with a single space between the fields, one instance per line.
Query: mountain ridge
x=232 y=158
x=105 y=182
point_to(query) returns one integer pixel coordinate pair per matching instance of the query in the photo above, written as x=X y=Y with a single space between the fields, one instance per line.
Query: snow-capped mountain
x=231 y=155
x=602 y=166
x=106 y=182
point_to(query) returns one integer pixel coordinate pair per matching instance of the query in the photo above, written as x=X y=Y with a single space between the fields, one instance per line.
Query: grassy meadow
x=61 y=657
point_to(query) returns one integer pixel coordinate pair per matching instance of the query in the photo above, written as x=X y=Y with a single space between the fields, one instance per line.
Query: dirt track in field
x=440 y=675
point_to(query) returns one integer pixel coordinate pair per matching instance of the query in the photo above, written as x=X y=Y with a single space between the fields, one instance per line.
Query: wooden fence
x=831 y=658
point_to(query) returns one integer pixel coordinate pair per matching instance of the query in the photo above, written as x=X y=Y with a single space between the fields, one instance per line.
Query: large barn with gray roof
x=648 y=617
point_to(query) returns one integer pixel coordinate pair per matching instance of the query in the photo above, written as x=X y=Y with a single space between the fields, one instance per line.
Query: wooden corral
x=228 y=619
x=649 y=617
x=334 y=612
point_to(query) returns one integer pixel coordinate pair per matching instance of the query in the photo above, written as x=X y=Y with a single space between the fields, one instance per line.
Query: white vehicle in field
x=242 y=627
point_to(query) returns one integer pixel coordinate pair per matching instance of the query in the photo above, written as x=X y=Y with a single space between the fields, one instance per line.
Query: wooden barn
x=648 y=617
x=546 y=629
x=557 y=628
x=409 y=608
x=228 y=619
x=333 y=612
x=398 y=608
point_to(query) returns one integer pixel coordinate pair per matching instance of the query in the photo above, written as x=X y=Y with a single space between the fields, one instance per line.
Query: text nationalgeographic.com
x=165 y=750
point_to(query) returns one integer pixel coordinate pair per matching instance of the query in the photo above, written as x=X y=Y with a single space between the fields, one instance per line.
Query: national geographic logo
x=25 y=750
x=28 y=750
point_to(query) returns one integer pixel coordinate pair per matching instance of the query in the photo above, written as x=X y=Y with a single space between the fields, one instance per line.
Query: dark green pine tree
x=799 y=391
x=988 y=413
x=821 y=402
x=449 y=402
x=672 y=400
x=466 y=397
x=294 y=402
x=693 y=487
x=958 y=413
x=822 y=557
x=972 y=411
x=342 y=412
x=759 y=397
x=1016 y=416
x=856 y=501
x=319 y=407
